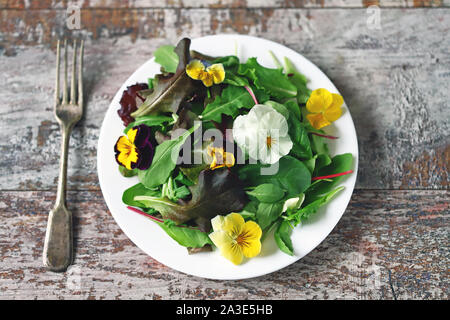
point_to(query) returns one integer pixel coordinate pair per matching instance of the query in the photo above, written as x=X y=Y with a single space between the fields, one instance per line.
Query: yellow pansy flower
x=220 y=158
x=325 y=107
x=135 y=149
x=236 y=238
x=213 y=74
x=126 y=153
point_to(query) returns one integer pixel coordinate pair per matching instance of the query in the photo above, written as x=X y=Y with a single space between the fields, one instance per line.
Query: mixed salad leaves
x=228 y=152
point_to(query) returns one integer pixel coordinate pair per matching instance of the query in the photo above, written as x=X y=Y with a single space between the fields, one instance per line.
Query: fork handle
x=58 y=246
x=62 y=179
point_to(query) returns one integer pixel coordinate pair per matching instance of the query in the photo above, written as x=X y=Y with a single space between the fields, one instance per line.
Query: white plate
x=151 y=238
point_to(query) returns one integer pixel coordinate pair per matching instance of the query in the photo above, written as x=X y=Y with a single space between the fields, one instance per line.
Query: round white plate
x=152 y=239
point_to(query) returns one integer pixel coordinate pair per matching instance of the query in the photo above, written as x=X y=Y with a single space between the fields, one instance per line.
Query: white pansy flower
x=263 y=134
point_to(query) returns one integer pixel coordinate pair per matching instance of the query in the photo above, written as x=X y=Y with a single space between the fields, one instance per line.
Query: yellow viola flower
x=236 y=238
x=135 y=149
x=213 y=74
x=220 y=158
x=325 y=107
x=126 y=153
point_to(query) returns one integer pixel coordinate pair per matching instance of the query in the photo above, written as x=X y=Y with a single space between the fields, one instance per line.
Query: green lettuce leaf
x=273 y=81
x=138 y=190
x=185 y=236
x=305 y=212
x=170 y=90
x=163 y=164
x=167 y=58
x=149 y=120
x=339 y=163
x=292 y=176
x=268 y=213
x=298 y=80
x=229 y=102
x=267 y=192
x=217 y=192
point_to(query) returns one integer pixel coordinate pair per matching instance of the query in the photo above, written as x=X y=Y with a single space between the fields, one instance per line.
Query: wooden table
x=392 y=242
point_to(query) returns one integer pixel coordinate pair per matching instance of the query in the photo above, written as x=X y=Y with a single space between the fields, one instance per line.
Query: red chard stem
x=332 y=175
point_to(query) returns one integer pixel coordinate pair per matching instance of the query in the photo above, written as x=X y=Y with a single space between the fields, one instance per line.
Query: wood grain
x=394 y=80
x=213 y=4
x=389 y=244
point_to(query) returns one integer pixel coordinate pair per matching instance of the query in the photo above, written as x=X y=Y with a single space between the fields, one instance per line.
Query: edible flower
x=213 y=74
x=135 y=149
x=325 y=107
x=263 y=134
x=236 y=238
x=220 y=158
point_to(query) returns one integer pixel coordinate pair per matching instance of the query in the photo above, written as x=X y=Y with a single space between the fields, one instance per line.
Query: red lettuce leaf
x=128 y=102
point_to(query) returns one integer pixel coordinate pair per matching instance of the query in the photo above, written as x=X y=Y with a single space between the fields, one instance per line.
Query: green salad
x=228 y=152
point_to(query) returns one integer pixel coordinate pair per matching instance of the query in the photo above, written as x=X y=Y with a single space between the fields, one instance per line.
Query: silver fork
x=58 y=245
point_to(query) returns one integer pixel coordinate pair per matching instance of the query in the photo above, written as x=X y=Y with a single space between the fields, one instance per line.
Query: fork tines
x=73 y=82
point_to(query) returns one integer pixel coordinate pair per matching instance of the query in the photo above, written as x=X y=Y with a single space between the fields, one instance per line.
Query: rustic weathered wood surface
x=391 y=243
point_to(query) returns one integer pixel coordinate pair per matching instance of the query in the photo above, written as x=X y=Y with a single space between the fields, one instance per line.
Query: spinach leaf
x=301 y=145
x=283 y=238
x=323 y=160
x=217 y=192
x=185 y=236
x=339 y=163
x=149 y=120
x=267 y=192
x=167 y=58
x=293 y=108
x=249 y=211
x=318 y=145
x=163 y=164
x=292 y=175
x=268 y=213
x=311 y=163
x=273 y=81
x=170 y=90
x=229 y=102
x=138 y=190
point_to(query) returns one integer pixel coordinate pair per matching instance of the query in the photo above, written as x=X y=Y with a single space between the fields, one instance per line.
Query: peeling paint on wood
x=389 y=244
x=387 y=240
x=393 y=80
x=211 y=4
